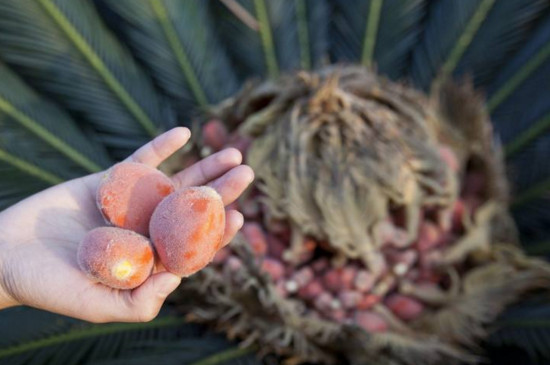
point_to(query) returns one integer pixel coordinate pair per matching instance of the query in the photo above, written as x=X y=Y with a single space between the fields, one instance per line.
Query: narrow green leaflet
x=40 y=145
x=379 y=33
x=62 y=48
x=459 y=34
x=264 y=38
x=177 y=42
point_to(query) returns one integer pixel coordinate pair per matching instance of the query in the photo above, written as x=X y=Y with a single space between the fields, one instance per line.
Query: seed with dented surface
x=129 y=193
x=187 y=229
x=116 y=257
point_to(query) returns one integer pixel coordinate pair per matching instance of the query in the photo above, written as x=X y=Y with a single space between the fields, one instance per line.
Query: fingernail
x=241 y=219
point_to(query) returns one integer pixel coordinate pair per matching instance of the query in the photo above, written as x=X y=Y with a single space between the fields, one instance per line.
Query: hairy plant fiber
x=340 y=155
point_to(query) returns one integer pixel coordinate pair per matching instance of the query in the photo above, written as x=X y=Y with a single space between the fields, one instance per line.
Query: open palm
x=40 y=235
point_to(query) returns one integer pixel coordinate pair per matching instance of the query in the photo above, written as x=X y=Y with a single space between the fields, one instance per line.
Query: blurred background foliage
x=83 y=83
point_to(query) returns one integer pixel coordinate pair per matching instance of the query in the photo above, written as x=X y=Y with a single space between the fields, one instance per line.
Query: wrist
x=6 y=300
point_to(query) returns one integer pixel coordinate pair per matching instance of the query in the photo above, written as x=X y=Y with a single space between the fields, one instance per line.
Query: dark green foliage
x=388 y=45
x=533 y=220
x=29 y=336
x=471 y=37
x=521 y=115
x=62 y=48
x=40 y=144
x=176 y=41
x=289 y=35
x=523 y=332
x=523 y=80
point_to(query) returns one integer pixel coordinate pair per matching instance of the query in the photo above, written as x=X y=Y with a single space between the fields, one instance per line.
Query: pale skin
x=39 y=237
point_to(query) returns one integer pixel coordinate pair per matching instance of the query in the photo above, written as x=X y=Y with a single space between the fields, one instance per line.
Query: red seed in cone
x=363 y=281
x=404 y=307
x=233 y=264
x=332 y=280
x=323 y=302
x=347 y=276
x=275 y=247
x=428 y=236
x=368 y=301
x=256 y=238
x=350 y=298
x=370 y=321
x=311 y=290
x=303 y=276
x=274 y=268
x=214 y=134
x=337 y=315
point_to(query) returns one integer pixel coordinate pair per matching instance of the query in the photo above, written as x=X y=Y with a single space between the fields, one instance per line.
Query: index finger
x=162 y=147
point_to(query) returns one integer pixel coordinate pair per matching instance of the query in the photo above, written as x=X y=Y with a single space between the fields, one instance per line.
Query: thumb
x=148 y=298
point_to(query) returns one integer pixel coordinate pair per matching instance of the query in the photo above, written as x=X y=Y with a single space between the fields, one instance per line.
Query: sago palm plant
x=393 y=143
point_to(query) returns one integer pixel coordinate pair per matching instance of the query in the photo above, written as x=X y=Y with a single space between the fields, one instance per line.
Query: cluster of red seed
x=349 y=292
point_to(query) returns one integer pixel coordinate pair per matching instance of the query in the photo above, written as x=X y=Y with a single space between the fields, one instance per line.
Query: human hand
x=39 y=237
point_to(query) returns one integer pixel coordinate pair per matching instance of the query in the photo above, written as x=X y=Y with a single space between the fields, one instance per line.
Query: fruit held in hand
x=130 y=192
x=116 y=257
x=187 y=229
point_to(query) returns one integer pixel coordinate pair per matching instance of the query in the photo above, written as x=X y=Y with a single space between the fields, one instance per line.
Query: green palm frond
x=25 y=110
x=175 y=354
x=530 y=172
x=376 y=32
x=520 y=110
x=518 y=102
x=521 y=117
x=525 y=326
x=176 y=41
x=264 y=37
x=40 y=145
x=534 y=192
x=471 y=37
x=48 y=338
x=538 y=248
x=63 y=48
x=522 y=67
x=21 y=179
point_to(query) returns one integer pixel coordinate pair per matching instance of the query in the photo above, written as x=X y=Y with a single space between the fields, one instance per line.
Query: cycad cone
x=358 y=177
